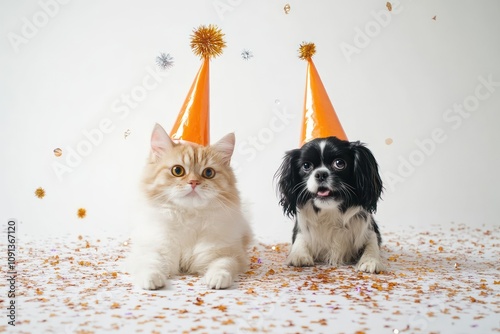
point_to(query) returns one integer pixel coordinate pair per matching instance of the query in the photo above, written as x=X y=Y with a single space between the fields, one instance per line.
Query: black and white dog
x=331 y=188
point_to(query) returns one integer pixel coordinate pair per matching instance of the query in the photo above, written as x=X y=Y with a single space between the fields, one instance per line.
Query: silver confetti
x=246 y=54
x=165 y=61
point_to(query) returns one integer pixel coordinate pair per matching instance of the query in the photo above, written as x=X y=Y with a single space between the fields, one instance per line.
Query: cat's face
x=188 y=175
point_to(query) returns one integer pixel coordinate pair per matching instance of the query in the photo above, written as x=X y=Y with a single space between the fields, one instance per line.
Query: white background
x=65 y=68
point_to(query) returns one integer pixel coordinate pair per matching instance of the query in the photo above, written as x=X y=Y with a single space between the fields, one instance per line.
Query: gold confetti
x=434 y=17
x=207 y=41
x=287 y=8
x=389 y=6
x=81 y=213
x=389 y=141
x=40 y=192
x=306 y=50
x=58 y=152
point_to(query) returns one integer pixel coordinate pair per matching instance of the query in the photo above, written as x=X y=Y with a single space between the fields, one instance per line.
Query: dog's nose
x=321 y=175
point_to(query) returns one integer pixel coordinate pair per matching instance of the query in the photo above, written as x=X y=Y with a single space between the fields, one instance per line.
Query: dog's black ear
x=368 y=181
x=287 y=177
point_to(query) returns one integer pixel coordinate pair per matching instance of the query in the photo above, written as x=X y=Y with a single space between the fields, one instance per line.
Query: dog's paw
x=218 y=279
x=300 y=259
x=151 y=280
x=370 y=265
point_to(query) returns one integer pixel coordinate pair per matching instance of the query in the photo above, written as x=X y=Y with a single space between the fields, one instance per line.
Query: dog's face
x=331 y=173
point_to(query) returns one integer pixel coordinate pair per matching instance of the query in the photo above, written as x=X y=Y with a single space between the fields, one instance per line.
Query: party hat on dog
x=193 y=121
x=320 y=119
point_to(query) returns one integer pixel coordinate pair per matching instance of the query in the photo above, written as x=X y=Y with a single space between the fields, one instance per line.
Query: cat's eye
x=339 y=164
x=208 y=173
x=307 y=166
x=178 y=171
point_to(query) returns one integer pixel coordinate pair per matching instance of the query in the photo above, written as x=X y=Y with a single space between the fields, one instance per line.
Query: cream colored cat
x=194 y=222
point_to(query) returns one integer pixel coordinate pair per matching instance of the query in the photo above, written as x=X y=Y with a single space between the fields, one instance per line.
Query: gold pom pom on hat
x=306 y=50
x=207 y=41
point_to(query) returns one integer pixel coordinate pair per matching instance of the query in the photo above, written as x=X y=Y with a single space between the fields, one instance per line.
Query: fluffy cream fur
x=193 y=222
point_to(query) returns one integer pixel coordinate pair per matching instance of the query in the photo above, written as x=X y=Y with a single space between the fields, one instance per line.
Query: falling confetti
x=81 y=213
x=434 y=17
x=287 y=8
x=57 y=152
x=389 y=141
x=246 y=54
x=165 y=61
x=40 y=192
x=127 y=133
x=389 y=6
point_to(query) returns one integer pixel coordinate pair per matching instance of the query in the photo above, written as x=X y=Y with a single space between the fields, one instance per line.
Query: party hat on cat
x=320 y=119
x=193 y=121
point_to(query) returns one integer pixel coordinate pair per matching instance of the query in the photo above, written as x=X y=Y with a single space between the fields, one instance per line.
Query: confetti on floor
x=442 y=280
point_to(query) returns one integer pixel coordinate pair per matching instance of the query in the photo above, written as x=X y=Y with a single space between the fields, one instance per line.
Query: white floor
x=443 y=280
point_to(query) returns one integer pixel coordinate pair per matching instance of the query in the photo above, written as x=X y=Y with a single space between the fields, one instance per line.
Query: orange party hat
x=193 y=121
x=320 y=119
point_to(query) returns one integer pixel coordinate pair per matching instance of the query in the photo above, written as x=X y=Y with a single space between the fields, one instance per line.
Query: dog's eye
x=339 y=164
x=307 y=166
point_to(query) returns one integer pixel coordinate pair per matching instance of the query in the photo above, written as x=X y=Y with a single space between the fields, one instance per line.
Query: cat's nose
x=194 y=183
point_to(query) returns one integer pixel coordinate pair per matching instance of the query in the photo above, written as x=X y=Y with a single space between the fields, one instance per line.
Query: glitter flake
x=165 y=61
x=40 y=192
x=246 y=54
x=82 y=213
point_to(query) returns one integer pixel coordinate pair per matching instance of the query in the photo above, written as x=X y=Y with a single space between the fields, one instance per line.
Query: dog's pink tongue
x=323 y=193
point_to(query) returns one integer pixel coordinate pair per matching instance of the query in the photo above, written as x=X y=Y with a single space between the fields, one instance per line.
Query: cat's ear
x=225 y=146
x=160 y=141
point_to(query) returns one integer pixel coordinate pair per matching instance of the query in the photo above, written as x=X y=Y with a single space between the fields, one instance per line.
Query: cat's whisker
x=227 y=208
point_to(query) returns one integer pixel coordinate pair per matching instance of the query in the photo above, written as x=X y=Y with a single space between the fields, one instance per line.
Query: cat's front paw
x=370 y=265
x=151 y=280
x=218 y=279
